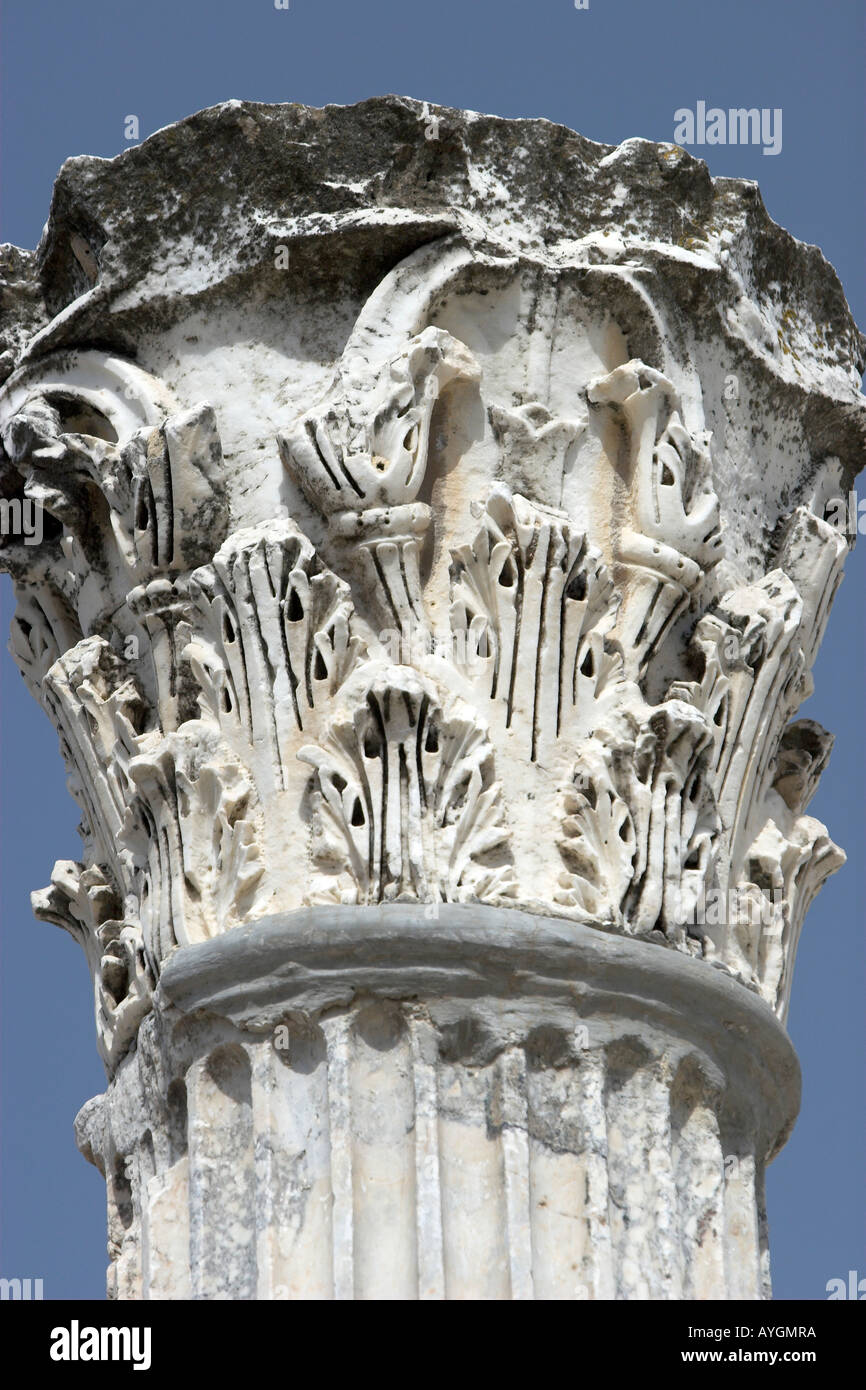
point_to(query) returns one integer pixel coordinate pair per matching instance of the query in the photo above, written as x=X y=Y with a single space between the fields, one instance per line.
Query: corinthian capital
x=429 y=583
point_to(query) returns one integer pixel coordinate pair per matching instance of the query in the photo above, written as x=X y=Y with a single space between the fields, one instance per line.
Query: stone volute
x=434 y=558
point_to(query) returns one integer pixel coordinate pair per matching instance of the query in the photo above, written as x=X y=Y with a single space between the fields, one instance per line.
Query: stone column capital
x=437 y=536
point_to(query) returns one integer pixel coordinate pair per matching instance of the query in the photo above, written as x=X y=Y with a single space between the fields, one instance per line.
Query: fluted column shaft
x=511 y=1110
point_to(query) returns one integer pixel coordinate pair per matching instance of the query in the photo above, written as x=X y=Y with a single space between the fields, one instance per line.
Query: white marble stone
x=438 y=528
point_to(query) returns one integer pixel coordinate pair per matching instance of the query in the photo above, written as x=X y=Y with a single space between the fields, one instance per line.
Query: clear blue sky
x=72 y=70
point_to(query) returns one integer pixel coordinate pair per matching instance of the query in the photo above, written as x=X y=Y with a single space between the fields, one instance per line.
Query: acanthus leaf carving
x=271 y=640
x=85 y=904
x=662 y=760
x=362 y=458
x=366 y=446
x=406 y=804
x=786 y=866
x=641 y=828
x=669 y=533
x=755 y=653
x=533 y=603
x=193 y=830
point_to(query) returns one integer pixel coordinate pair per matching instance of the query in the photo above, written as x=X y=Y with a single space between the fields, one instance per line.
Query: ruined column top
x=202 y=203
x=436 y=512
x=287 y=216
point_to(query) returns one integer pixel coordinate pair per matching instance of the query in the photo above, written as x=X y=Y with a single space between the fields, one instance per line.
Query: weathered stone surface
x=500 y=1108
x=434 y=525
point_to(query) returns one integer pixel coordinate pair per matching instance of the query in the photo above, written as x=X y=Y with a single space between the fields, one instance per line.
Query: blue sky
x=71 y=74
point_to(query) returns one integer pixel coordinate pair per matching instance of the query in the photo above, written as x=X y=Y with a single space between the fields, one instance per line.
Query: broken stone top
x=389 y=174
x=289 y=210
x=413 y=479
x=203 y=216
